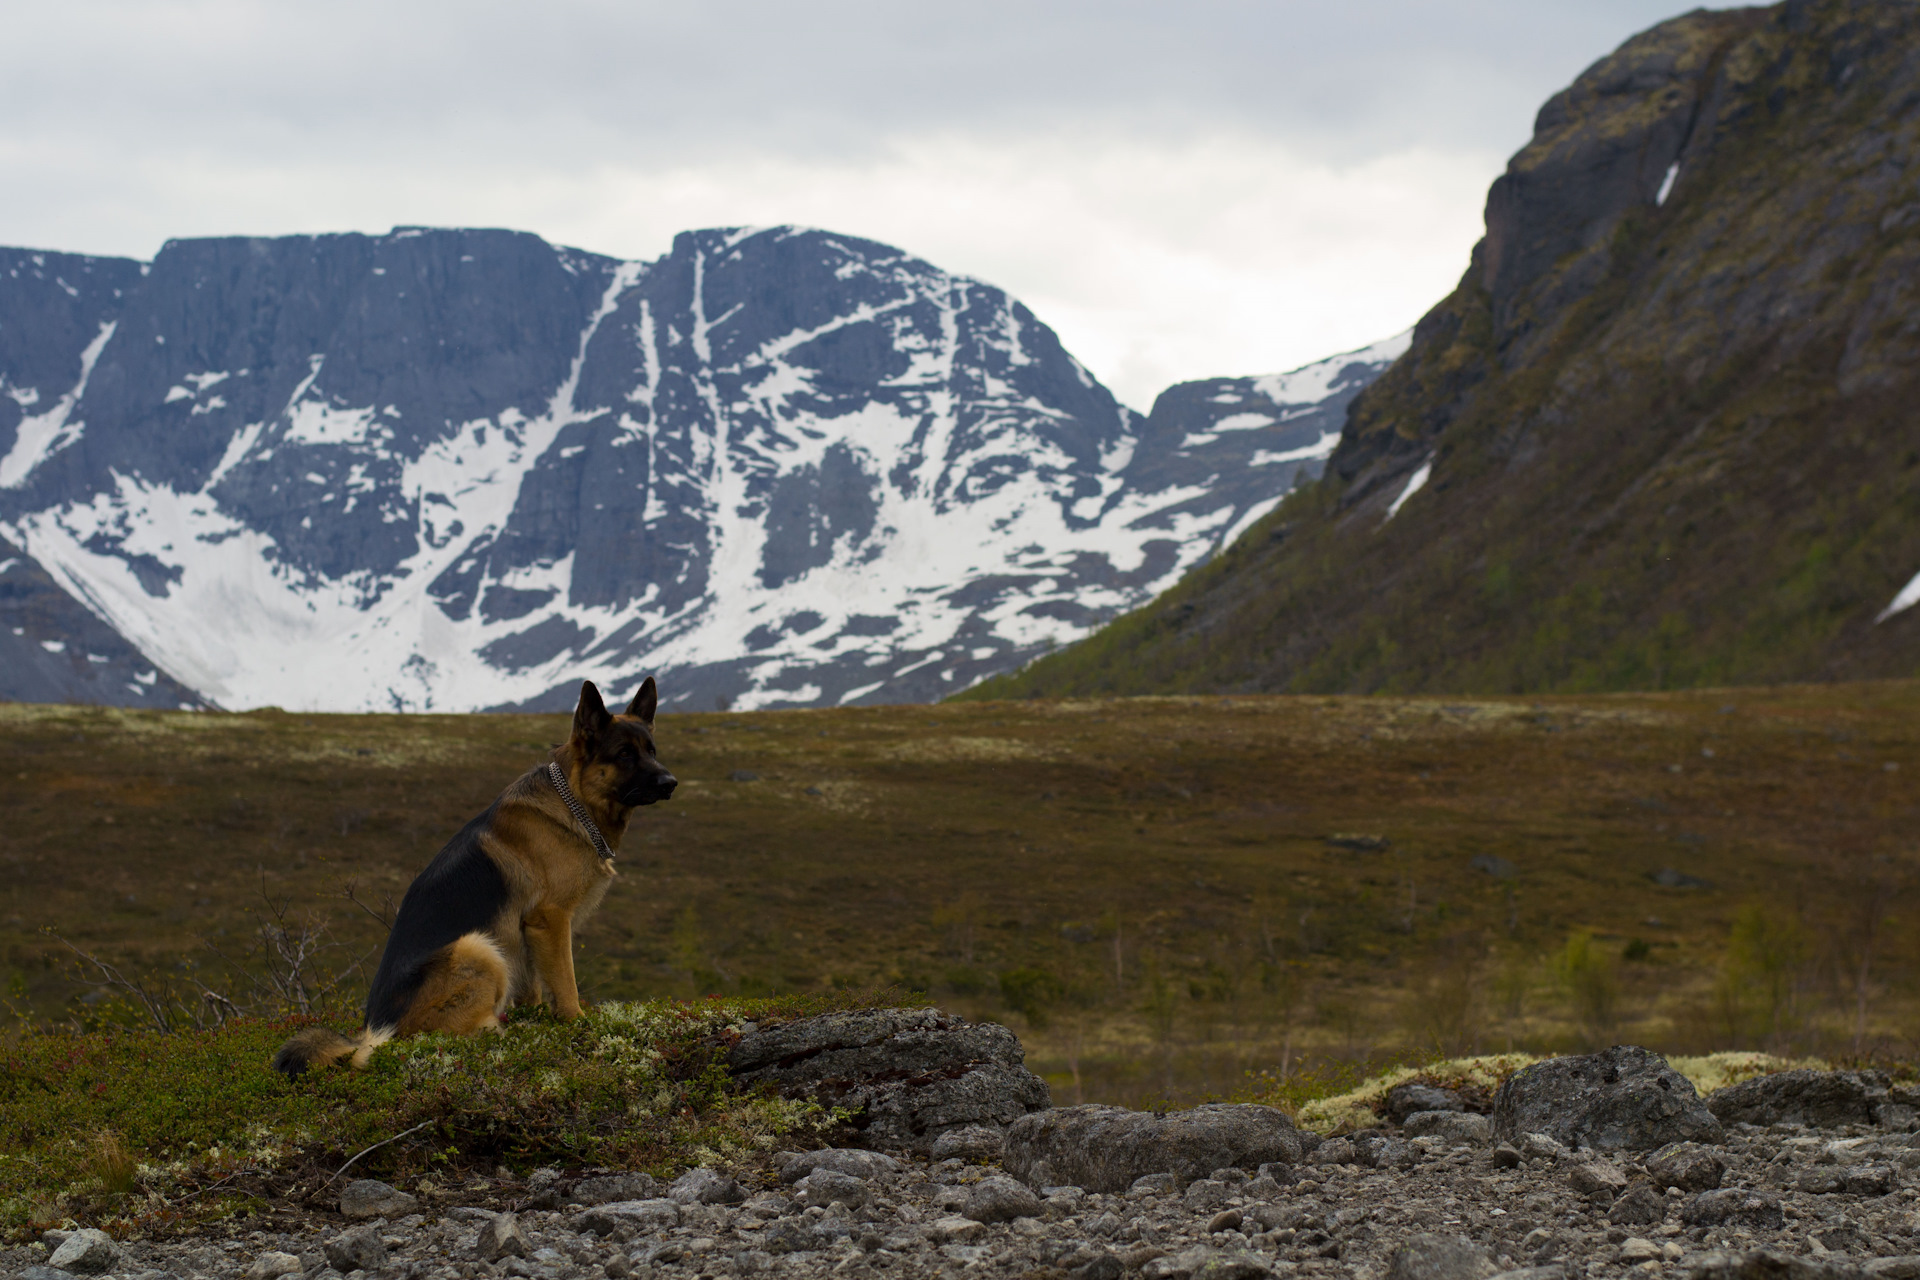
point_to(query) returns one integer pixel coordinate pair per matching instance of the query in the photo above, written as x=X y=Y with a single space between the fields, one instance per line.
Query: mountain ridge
x=1660 y=435
x=460 y=469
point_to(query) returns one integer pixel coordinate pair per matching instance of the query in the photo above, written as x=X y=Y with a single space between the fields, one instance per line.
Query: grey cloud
x=654 y=83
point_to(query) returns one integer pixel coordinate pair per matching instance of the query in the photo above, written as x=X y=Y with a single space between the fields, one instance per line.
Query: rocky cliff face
x=1662 y=432
x=464 y=469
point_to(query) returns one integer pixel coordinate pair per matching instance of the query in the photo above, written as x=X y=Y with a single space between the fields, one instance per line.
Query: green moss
x=638 y=1085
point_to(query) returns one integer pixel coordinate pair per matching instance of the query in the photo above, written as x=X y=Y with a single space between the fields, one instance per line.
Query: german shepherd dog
x=490 y=922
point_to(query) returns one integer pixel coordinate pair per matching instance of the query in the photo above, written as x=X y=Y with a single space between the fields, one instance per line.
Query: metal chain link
x=559 y=779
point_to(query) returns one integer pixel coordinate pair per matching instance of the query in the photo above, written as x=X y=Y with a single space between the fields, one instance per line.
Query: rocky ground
x=1596 y=1166
x=1835 y=1197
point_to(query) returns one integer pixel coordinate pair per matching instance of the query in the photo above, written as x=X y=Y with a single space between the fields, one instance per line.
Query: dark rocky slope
x=1661 y=434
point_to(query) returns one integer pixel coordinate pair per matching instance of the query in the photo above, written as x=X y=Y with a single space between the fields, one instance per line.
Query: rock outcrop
x=1824 y=1099
x=1107 y=1148
x=909 y=1075
x=1621 y=1099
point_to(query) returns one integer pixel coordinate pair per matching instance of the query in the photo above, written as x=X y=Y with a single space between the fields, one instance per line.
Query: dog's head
x=617 y=761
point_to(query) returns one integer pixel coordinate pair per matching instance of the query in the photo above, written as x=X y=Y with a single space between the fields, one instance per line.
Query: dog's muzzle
x=650 y=790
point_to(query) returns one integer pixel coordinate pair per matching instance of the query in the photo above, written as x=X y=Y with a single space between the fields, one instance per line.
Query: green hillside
x=1672 y=442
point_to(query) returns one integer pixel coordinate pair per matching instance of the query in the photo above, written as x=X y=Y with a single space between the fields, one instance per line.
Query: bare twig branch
x=352 y=894
x=375 y=1147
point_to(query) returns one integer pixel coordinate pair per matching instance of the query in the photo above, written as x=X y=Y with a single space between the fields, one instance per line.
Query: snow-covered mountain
x=461 y=469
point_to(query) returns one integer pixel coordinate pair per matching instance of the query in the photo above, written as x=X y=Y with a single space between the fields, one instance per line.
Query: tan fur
x=466 y=989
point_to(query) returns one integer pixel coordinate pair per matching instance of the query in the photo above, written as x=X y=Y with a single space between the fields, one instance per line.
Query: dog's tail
x=322 y=1047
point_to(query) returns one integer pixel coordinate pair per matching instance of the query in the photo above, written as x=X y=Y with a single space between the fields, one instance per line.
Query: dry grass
x=1143 y=887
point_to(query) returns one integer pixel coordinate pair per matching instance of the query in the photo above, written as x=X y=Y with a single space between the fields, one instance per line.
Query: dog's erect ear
x=590 y=718
x=645 y=702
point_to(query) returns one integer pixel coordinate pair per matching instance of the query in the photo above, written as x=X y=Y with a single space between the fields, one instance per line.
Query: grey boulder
x=368 y=1198
x=1823 y=1099
x=1000 y=1199
x=86 y=1252
x=1620 y=1099
x=1107 y=1149
x=1733 y=1206
x=1404 y=1100
x=827 y=1186
x=624 y=1219
x=1686 y=1165
x=705 y=1186
x=908 y=1075
x=612 y=1187
x=1457 y=1127
x=1203 y=1263
x=1436 y=1257
x=973 y=1142
x=848 y=1160
x=361 y=1249
x=273 y=1264
x=1639 y=1206
x=501 y=1237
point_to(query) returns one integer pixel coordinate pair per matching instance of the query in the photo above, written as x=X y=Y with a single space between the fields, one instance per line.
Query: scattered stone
x=1507 y=1157
x=1639 y=1206
x=1769 y=1264
x=743 y=775
x=972 y=1142
x=502 y=1237
x=705 y=1186
x=1436 y=1257
x=1539 y=1146
x=367 y=1198
x=956 y=1230
x=1596 y=1179
x=1206 y=1193
x=1621 y=1099
x=824 y=1187
x=1457 y=1127
x=908 y=1075
x=848 y=1160
x=1637 y=1249
x=1404 y=1100
x=1151 y=1184
x=361 y=1249
x=1389 y=1153
x=1001 y=1199
x=1203 y=1263
x=87 y=1252
x=1335 y=1151
x=619 y=1186
x=274 y=1264
x=1686 y=1165
x=1733 y=1206
x=1107 y=1148
x=1102 y=1266
x=1824 y=1099
x=625 y=1218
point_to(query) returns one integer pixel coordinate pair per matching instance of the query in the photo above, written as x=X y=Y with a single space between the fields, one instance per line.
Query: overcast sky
x=1181 y=189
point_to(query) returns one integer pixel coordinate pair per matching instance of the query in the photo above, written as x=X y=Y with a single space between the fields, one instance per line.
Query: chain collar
x=558 y=777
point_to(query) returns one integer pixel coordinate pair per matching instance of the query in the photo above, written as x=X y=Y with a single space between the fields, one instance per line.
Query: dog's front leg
x=549 y=934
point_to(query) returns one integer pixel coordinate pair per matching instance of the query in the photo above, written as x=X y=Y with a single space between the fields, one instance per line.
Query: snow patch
x=43 y=435
x=1666 y=183
x=1320 y=449
x=1316 y=381
x=1414 y=484
x=1908 y=597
